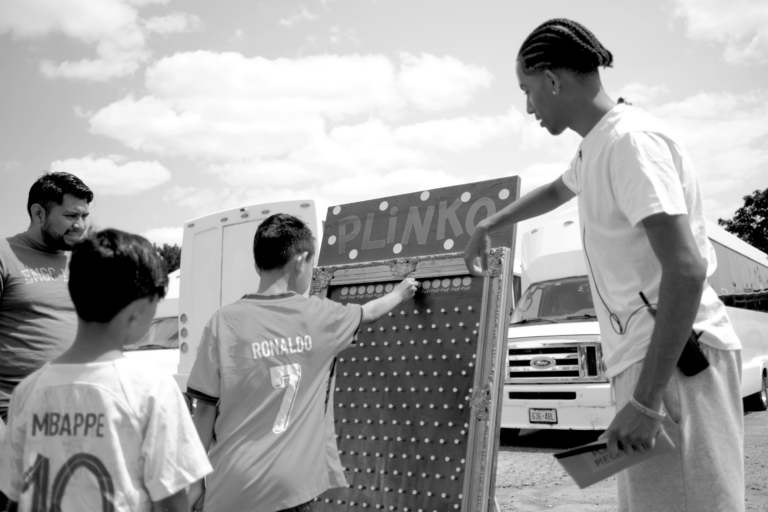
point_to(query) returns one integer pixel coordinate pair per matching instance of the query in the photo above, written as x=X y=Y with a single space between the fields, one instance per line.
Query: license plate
x=543 y=416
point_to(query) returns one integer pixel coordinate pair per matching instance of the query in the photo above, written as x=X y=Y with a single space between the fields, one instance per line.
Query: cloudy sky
x=171 y=110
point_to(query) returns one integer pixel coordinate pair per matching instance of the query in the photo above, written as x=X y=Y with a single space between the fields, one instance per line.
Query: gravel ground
x=529 y=479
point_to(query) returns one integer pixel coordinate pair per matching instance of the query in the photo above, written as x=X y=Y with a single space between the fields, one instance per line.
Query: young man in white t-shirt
x=92 y=430
x=643 y=229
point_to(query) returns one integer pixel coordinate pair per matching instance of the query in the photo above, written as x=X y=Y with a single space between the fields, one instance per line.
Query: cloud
x=239 y=35
x=160 y=236
x=107 y=176
x=727 y=137
x=325 y=193
x=224 y=106
x=174 y=23
x=113 y=27
x=460 y=133
x=741 y=25
x=639 y=94
x=327 y=126
x=434 y=83
x=302 y=15
x=339 y=36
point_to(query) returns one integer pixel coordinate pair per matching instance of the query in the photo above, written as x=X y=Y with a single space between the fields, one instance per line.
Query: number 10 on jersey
x=288 y=377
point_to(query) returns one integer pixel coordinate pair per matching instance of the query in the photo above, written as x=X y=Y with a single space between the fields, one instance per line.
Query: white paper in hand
x=592 y=463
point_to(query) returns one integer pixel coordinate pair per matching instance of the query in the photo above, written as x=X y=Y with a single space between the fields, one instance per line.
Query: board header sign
x=421 y=223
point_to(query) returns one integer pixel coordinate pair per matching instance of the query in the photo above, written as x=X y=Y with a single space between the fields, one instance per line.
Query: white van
x=218 y=267
x=159 y=348
x=555 y=376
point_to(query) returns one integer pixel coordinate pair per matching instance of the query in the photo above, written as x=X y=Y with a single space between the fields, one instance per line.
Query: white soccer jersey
x=98 y=437
x=265 y=360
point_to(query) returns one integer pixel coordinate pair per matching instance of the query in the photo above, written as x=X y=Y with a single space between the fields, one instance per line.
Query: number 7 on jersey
x=289 y=377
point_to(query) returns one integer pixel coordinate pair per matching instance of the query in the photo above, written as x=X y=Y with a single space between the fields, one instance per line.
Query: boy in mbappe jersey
x=92 y=430
x=261 y=377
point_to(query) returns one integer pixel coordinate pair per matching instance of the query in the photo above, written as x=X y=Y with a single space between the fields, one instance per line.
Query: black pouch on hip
x=692 y=360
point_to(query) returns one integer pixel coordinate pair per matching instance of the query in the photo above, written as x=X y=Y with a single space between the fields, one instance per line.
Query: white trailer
x=218 y=267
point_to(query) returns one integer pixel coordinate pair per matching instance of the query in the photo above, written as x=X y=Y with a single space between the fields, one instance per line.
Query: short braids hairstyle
x=563 y=44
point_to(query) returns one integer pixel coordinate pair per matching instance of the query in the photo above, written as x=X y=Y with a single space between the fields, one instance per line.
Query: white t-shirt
x=630 y=167
x=98 y=436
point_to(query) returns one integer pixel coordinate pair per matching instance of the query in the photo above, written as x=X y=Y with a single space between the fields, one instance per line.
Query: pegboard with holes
x=413 y=401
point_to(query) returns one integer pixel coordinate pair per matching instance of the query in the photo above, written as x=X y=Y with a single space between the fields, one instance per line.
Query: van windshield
x=559 y=300
x=163 y=333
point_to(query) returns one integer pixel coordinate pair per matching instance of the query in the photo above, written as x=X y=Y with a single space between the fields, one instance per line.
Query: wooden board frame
x=485 y=402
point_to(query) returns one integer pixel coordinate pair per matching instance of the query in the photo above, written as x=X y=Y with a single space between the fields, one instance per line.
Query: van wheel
x=508 y=435
x=759 y=401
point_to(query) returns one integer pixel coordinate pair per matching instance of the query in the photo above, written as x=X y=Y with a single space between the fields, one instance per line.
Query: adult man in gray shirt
x=37 y=317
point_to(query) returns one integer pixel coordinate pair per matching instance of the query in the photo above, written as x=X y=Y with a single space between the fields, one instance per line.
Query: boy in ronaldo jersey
x=92 y=430
x=261 y=377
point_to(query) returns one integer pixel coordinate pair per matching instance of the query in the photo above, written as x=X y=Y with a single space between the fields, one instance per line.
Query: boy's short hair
x=51 y=187
x=109 y=270
x=279 y=238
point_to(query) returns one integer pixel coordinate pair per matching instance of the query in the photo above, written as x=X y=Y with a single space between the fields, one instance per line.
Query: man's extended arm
x=683 y=276
x=538 y=202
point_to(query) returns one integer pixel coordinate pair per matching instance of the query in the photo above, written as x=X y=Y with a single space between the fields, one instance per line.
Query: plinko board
x=438 y=221
x=416 y=402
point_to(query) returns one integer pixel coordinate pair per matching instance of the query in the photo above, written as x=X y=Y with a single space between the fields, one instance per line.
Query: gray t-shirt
x=37 y=318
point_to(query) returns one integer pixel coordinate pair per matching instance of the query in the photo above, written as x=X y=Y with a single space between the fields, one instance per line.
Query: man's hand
x=406 y=288
x=478 y=248
x=196 y=496
x=631 y=432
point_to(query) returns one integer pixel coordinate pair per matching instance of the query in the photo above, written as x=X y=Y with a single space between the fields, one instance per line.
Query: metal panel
x=418 y=400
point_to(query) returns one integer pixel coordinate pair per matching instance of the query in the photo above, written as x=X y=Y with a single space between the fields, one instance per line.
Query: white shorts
x=705 y=421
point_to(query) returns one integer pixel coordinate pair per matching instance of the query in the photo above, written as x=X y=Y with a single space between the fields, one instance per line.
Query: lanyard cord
x=614 y=318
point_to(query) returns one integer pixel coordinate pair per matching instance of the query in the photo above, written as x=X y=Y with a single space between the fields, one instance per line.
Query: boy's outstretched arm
x=377 y=308
x=204 y=419
x=173 y=503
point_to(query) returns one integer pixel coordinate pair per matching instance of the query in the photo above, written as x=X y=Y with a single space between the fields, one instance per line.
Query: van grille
x=555 y=362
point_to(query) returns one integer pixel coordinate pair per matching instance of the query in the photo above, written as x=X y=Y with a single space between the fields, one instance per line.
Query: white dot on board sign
x=353 y=290
x=456 y=281
x=383 y=206
x=331 y=239
x=435 y=283
x=448 y=244
x=425 y=285
x=379 y=288
x=425 y=195
x=345 y=290
x=397 y=248
x=503 y=194
x=336 y=210
x=446 y=283
x=370 y=288
x=389 y=288
x=466 y=281
x=465 y=197
x=353 y=254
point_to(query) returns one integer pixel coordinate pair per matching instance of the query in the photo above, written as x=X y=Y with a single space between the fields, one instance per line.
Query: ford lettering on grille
x=542 y=363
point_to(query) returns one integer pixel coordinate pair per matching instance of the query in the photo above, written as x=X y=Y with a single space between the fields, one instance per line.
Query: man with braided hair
x=643 y=229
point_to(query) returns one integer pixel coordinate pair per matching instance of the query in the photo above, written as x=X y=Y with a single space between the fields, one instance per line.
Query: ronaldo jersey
x=265 y=361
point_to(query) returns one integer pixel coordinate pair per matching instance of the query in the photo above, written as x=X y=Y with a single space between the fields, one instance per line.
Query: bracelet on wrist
x=647 y=411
